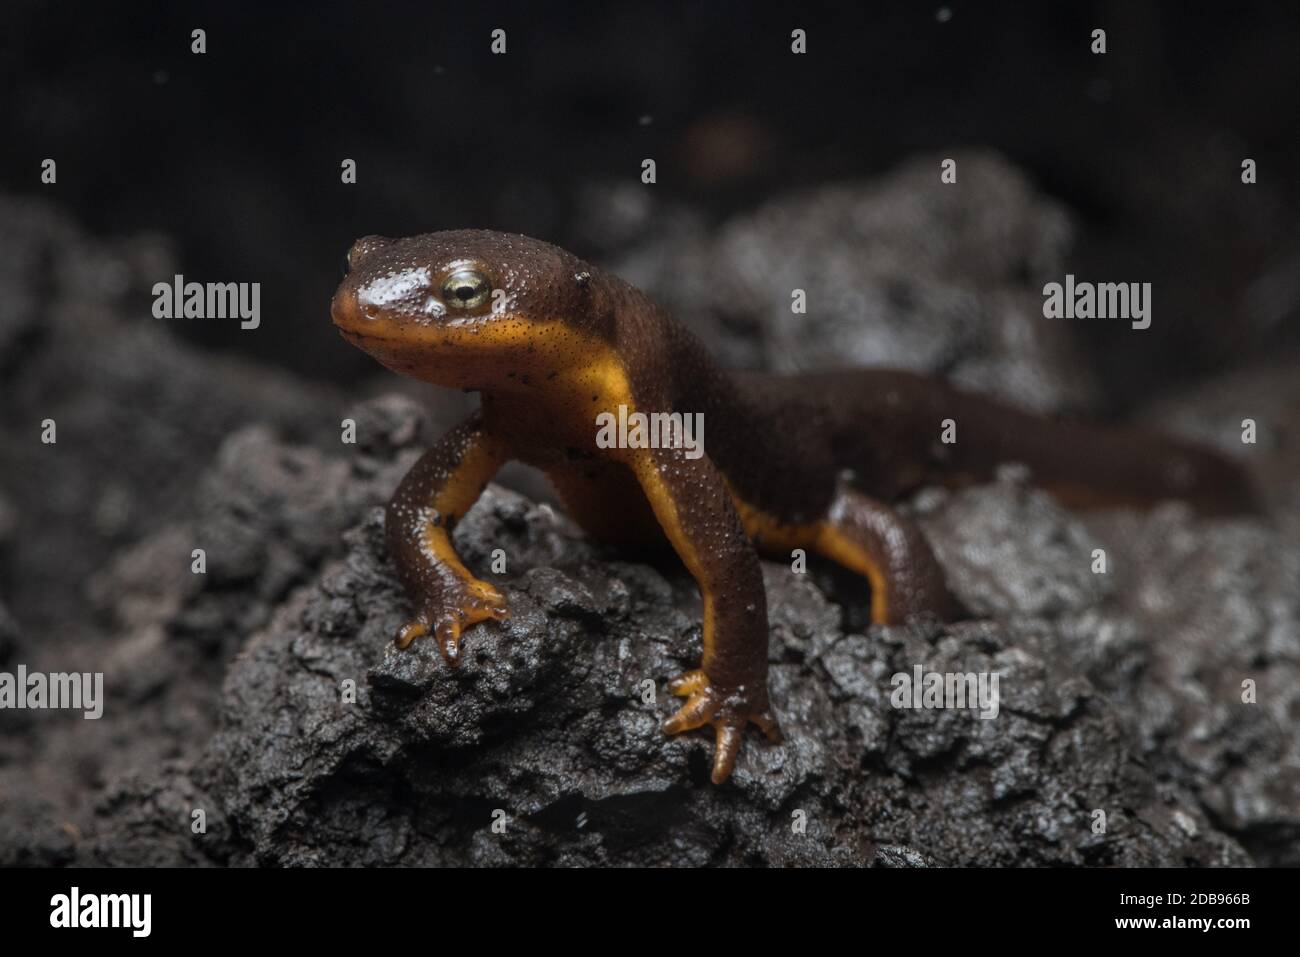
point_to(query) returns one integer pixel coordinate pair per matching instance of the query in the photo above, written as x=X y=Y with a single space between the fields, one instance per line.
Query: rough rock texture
x=896 y=273
x=1219 y=610
x=266 y=694
x=137 y=415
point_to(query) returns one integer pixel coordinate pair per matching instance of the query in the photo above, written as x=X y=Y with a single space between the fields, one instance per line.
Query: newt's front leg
x=692 y=503
x=436 y=492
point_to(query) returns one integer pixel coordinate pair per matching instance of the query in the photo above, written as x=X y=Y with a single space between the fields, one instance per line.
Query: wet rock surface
x=266 y=694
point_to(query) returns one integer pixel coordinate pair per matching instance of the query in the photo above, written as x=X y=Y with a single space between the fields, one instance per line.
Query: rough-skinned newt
x=806 y=461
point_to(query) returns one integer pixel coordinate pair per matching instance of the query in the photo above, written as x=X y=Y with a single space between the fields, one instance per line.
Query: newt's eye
x=466 y=289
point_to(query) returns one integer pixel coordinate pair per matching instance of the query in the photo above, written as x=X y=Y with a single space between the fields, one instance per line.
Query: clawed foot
x=728 y=712
x=450 y=614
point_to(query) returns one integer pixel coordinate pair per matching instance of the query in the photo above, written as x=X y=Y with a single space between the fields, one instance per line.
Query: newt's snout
x=403 y=292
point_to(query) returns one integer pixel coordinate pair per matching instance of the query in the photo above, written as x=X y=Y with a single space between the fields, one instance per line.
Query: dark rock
x=1214 y=703
x=31 y=834
x=155 y=820
x=897 y=273
x=1026 y=555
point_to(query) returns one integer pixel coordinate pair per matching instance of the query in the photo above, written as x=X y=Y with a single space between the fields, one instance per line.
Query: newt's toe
x=728 y=713
x=724 y=756
x=409 y=632
x=699 y=709
x=447 y=635
x=688 y=684
x=447 y=619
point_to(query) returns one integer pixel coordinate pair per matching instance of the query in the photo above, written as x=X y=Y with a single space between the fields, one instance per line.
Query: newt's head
x=468 y=308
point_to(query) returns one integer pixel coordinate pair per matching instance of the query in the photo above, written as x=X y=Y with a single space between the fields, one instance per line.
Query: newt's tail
x=1089 y=465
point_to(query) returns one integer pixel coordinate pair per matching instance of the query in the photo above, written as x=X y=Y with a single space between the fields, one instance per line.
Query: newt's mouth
x=359 y=337
x=352 y=320
x=367 y=342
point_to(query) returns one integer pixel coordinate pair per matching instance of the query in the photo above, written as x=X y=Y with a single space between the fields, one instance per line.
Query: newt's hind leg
x=872 y=539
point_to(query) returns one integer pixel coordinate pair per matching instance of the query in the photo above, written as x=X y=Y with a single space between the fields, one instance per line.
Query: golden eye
x=466 y=289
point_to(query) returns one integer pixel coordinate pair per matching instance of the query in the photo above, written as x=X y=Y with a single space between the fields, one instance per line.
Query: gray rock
x=901 y=271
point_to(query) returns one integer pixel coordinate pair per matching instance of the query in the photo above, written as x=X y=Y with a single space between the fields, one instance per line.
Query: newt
x=811 y=461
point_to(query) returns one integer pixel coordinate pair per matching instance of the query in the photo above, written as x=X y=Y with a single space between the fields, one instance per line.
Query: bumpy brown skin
x=809 y=461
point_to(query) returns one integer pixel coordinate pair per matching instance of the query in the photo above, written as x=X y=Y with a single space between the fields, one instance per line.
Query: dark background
x=235 y=154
